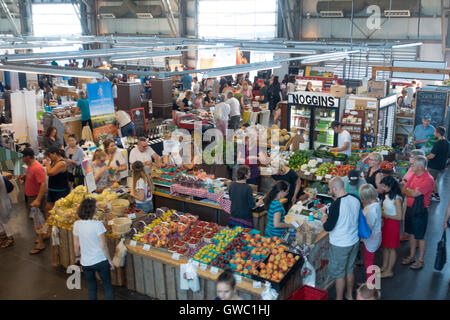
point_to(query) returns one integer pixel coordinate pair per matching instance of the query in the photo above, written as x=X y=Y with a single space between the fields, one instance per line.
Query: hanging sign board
x=138 y=118
x=313 y=99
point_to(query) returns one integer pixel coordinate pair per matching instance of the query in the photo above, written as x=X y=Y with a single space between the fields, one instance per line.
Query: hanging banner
x=101 y=105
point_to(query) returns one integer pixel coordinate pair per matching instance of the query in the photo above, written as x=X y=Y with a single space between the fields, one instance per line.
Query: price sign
x=214 y=270
x=176 y=256
x=256 y=284
x=319 y=160
x=384 y=152
x=146 y=247
x=238 y=278
x=306 y=173
x=328 y=176
x=195 y=263
x=295 y=224
x=133 y=243
x=319 y=178
x=132 y=216
x=337 y=162
x=203 y=266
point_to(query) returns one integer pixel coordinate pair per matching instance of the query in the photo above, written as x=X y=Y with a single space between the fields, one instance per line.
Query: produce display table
x=64 y=254
x=156 y=274
x=224 y=203
x=206 y=211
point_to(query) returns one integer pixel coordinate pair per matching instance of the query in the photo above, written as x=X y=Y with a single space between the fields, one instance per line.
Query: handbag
x=441 y=253
x=364 y=231
x=78 y=176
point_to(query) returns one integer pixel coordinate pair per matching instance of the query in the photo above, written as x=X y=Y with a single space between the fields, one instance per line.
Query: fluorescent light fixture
x=327 y=56
x=279 y=50
x=50 y=71
x=240 y=69
x=147 y=55
x=50 y=56
x=406 y=45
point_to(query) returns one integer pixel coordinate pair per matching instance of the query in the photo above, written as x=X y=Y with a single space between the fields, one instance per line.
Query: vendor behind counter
x=286 y=174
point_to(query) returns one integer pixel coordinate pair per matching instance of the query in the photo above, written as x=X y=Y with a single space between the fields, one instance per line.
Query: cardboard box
x=338 y=91
x=376 y=84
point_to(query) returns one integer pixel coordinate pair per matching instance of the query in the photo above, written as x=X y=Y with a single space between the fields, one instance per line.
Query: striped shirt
x=271 y=231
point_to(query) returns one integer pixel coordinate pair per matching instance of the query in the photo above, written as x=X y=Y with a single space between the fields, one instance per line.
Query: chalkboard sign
x=138 y=118
x=433 y=104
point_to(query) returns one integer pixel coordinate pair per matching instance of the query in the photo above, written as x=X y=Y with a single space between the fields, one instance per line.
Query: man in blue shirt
x=423 y=132
x=186 y=80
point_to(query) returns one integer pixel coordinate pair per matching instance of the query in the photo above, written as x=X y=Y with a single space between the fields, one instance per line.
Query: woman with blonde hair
x=98 y=167
x=142 y=188
x=375 y=174
x=372 y=212
x=186 y=103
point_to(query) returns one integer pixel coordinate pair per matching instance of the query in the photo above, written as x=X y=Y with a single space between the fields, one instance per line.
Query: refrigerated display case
x=300 y=117
x=323 y=134
x=386 y=121
x=313 y=112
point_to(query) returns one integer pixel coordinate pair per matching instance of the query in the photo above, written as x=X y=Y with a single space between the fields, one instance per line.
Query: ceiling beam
x=5 y=9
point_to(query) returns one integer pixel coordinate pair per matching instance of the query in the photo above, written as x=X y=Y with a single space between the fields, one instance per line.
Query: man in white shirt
x=344 y=139
x=126 y=126
x=342 y=224
x=235 y=112
x=411 y=89
x=221 y=115
x=144 y=153
x=196 y=86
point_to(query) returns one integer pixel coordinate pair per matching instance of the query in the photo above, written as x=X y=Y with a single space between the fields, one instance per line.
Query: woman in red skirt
x=392 y=214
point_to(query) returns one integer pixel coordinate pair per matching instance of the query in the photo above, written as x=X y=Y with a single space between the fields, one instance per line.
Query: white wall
x=431 y=52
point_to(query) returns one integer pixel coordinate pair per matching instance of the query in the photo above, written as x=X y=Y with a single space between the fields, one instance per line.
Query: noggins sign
x=318 y=100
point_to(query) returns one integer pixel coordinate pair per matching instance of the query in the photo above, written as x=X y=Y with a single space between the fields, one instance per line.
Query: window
x=56 y=20
x=242 y=19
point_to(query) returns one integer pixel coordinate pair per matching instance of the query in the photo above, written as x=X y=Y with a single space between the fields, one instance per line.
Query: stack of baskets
x=118 y=206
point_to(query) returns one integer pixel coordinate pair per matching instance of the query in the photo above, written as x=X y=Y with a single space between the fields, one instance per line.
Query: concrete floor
x=23 y=276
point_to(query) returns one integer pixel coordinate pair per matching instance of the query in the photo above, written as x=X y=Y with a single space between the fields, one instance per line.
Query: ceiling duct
x=129 y=9
x=331 y=14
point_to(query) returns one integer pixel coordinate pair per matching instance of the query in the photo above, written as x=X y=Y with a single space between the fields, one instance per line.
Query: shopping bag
x=189 y=277
x=269 y=293
x=308 y=274
x=441 y=253
x=39 y=221
x=120 y=254
x=364 y=231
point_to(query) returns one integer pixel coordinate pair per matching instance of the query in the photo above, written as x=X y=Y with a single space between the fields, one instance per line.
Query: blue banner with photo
x=100 y=98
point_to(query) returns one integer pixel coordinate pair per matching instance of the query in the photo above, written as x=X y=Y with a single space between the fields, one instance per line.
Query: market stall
x=64 y=214
x=169 y=239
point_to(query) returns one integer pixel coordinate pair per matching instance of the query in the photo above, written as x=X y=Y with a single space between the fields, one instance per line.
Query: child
x=226 y=286
x=372 y=212
x=392 y=214
x=142 y=188
x=275 y=211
